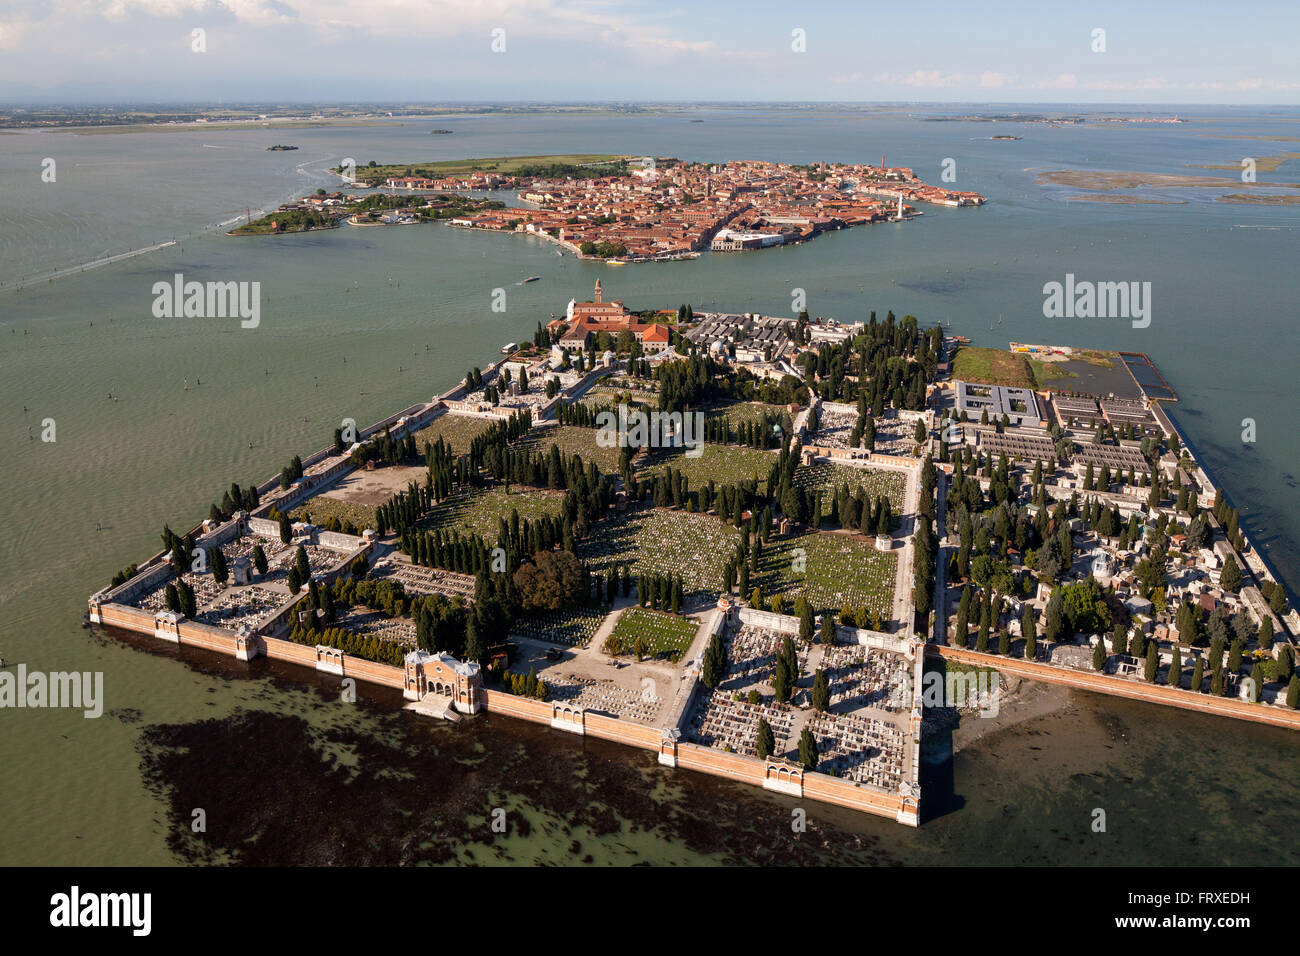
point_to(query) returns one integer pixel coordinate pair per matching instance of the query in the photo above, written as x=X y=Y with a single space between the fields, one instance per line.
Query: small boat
x=532 y=278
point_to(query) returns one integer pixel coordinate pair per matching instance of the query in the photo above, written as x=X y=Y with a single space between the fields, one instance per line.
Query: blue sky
x=585 y=50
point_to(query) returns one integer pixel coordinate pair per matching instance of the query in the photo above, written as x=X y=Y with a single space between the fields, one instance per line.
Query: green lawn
x=458 y=430
x=829 y=477
x=725 y=464
x=603 y=395
x=664 y=635
x=838 y=571
x=572 y=626
x=572 y=440
x=478 y=510
x=1046 y=372
x=992 y=367
x=659 y=541
x=737 y=412
x=318 y=510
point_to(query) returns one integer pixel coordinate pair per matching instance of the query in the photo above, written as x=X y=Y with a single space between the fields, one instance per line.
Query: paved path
x=901 y=611
x=941 y=560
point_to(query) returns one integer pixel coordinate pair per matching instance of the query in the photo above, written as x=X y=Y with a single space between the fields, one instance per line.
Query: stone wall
x=773 y=775
x=337 y=541
x=892 y=643
x=145 y=580
x=264 y=527
x=785 y=623
x=1121 y=687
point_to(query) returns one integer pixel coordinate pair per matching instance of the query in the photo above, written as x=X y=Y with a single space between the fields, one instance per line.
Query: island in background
x=622 y=209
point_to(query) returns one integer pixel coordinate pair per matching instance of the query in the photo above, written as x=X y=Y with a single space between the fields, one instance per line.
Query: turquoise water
x=343 y=311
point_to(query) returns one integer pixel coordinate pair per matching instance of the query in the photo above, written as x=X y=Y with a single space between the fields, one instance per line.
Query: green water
x=342 y=311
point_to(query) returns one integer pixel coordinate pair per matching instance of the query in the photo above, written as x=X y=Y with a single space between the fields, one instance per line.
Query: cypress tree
x=781 y=680
x=1099 y=655
x=1119 y=640
x=1198 y=674
x=1152 y=663
x=828 y=628
x=1277 y=600
x=791 y=658
x=1293 y=692
x=1285 y=663
x=1175 y=678
x=1055 y=624
x=1266 y=634
x=180 y=559
x=805 y=620
x=765 y=740
x=1230 y=578
x=220 y=570
x=821 y=691
x=714 y=664
x=807 y=749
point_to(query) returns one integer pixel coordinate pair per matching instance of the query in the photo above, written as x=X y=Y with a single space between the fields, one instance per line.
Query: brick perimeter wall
x=690 y=756
x=1119 y=687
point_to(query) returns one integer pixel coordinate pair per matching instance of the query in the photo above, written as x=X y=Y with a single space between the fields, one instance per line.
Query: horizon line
x=219 y=103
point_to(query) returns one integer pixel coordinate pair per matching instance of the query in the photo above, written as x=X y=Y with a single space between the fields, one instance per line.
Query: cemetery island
x=771 y=549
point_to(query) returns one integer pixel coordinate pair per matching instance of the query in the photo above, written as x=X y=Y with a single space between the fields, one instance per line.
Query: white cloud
x=989 y=79
x=926 y=79
x=433 y=19
x=11 y=35
x=1065 y=81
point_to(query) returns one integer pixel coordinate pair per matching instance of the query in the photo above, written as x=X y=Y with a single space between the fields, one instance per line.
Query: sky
x=84 y=51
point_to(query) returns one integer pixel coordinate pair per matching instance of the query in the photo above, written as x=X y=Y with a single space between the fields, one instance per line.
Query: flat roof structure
x=1018 y=404
x=1116 y=456
x=1025 y=447
x=1121 y=411
x=744 y=331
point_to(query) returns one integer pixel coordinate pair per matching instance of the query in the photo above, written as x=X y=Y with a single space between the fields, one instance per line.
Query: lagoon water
x=358 y=323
